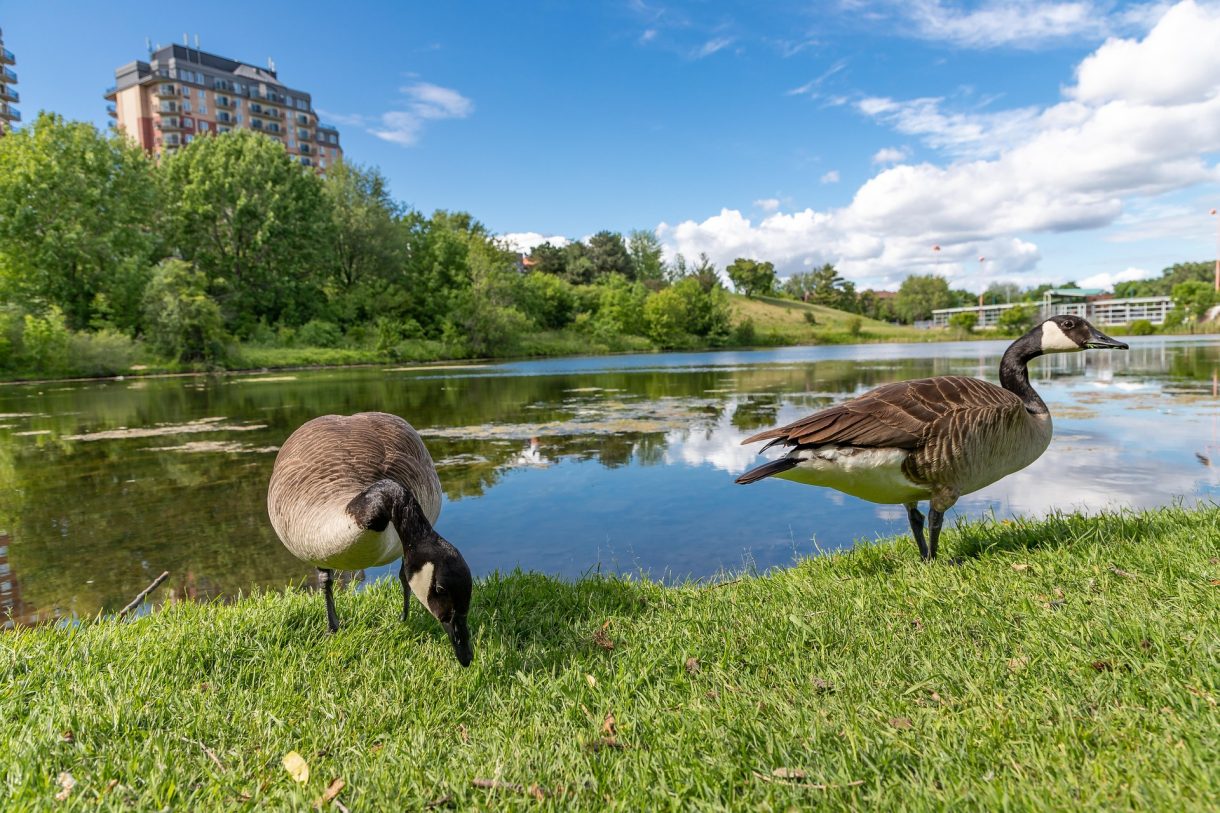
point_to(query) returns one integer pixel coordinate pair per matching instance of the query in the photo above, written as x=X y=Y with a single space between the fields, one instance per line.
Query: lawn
x=1065 y=664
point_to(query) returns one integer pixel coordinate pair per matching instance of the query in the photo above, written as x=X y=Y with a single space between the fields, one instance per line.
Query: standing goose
x=350 y=492
x=931 y=439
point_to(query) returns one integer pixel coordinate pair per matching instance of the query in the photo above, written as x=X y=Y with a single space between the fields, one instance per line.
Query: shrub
x=547 y=300
x=319 y=333
x=1017 y=319
x=810 y=319
x=665 y=313
x=854 y=326
x=744 y=333
x=44 y=341
x=183 y=321
x=963 y=323
x=1141 y=327
x=106 y=352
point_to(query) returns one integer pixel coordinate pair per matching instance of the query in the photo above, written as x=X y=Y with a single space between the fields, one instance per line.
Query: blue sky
x=1058 y=140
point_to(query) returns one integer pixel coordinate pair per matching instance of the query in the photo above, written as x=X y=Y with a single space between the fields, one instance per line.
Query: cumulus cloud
x=424 y=102
x=890 y=155
x=1107 y=279
x=1072 y=165
x=524 y=242
x=767 y=204
x=830 y=177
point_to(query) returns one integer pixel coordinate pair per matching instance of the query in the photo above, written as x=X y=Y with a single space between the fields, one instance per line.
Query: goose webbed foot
x=326 y=578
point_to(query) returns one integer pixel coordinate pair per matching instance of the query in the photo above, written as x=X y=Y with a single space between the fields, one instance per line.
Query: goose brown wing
x=896 y=416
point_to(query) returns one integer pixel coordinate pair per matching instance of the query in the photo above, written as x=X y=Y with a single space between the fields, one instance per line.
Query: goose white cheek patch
x=421 y=583
x=1054 y=340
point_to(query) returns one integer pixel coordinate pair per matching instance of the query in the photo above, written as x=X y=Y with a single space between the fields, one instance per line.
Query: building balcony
x=9 y=113
x=168 y=107
x=112 y=111
x=168 y=123
x=8 y=75
x=110 y=93
x=7 y=94
x=165 y=90
x=7 y=57
x=305 y=149
x=223 y=101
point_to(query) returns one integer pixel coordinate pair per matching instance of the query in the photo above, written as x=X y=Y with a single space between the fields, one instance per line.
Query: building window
x=201 y=96
x=188 y=122
x=186 y=139
x=203 y=126
x=291 y=142
x=203 y=109
x=186 y=106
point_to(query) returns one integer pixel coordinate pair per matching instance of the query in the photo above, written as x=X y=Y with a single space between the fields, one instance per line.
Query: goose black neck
x=1014 y=373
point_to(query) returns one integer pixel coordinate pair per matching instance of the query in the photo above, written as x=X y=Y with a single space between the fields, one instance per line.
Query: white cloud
x=711 y=46
x=425 y=102
x=1107 y=279
x=524 y=242
x=648 y=36
x=767 y=204
x=1077 y=164
x=830 y=177
x=890 y=155
x=1021 y=23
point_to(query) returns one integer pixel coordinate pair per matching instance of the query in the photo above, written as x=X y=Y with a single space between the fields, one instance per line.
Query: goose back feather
x=911 y=440
x=328 y=462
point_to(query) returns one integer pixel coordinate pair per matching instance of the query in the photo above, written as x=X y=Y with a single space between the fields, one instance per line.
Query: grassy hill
x=785 y=321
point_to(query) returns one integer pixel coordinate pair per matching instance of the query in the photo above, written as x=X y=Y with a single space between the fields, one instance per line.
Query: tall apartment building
x=182 y=93
x=8 y=77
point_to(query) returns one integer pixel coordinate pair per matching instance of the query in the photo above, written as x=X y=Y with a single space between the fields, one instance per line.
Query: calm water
x=564 y=466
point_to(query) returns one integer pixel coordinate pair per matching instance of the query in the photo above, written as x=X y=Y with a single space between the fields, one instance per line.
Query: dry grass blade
x=439 y=802
x=537 y=791
x=328 y=796
x=602 y=638
x=211 y=754
x=1118 y=571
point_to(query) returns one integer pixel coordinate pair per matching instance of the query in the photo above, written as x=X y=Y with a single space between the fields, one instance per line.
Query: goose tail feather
x=766 y=470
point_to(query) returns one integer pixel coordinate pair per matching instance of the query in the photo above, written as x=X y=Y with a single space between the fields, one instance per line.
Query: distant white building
x=1091 y=303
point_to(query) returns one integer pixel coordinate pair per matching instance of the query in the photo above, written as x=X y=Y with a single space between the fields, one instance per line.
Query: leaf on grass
x=789 y=773
x=822 y=686
x=463 y=732
x=111 y=785
x=328 y=796
x=602 y=639
x=1017 y=664
x=376 y=747
x=917 y=625
x=901 y=723
x=66 y=783
x=592 y=680
x=609 y=727
x=1214 y=582
x=68 y=736
x=1103 y=666
x=1019 y=566
x=693 y=667
x=296 y=766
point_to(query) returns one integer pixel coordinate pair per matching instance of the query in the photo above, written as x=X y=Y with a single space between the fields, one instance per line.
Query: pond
x=564 y=466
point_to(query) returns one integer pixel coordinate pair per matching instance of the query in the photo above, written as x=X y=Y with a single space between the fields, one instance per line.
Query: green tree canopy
x=646 y=256
x=365 y=241
x=608 y=254
x=752 y=277
x=253 y=221
x=919 y=295
x=78 y=221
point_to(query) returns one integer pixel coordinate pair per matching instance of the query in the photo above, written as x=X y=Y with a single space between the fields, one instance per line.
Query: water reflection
x=558 y=465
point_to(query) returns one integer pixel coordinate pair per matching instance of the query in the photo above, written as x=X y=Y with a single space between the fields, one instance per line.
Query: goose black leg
x=916 y=518
x=327 y=579
x=935 y=520
x=406 y=588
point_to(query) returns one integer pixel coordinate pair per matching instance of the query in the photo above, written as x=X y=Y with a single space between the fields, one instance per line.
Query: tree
x=998 y=293
x=919 y=295
x=1193 y=298
x=608 y=254
x=183 y=322
x=963 y=322
x=823 y=286
x=1017 y=319
x=646 y=256
x=253 y=221
x=549 y=259
x=751 y=277
x=365 y=241
x=685 y=309
x=704 y=272
x=77 y=221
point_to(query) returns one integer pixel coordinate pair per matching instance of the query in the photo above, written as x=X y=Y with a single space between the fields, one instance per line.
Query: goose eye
x=1069 y=324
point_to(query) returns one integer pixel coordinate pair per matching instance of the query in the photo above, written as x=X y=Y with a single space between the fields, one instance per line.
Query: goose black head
x=440 y=579
x=1069 y=334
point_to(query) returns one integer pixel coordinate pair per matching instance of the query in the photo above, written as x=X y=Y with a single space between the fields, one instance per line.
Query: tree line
x=229 y=241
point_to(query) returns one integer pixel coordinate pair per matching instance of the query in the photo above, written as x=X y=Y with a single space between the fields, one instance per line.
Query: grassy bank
x=1072 y=663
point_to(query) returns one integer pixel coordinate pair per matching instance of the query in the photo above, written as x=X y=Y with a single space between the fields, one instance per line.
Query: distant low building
x=182 y=93
x=1093 y=304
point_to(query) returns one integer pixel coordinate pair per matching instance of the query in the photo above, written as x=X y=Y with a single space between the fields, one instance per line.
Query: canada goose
x=932 y=439
x=350 y=492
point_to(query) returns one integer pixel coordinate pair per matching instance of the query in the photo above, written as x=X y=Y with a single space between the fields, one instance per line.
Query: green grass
x=784 y=321
x=1066 y=664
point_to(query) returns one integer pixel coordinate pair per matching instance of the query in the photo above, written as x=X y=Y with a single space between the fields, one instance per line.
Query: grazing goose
x=350 y=492
x=932 y=439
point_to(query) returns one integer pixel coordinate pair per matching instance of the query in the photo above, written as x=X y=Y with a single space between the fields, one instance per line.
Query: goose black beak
x=459 y=636
x=1100 y=341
